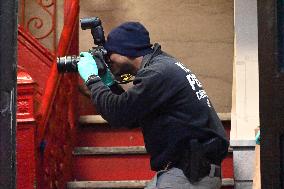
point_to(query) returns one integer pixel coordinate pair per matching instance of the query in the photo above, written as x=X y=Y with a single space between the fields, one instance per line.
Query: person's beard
x=126 y=68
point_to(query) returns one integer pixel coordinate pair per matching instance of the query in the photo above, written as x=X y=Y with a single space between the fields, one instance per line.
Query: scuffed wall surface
x=198 y=32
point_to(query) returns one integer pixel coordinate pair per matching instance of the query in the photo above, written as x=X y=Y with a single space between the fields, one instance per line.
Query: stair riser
x=104 y=136
x=227 y=166
x=112 y=167
x=124 y=167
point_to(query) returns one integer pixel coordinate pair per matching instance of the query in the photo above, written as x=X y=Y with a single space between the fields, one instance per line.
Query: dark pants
x=175 y=179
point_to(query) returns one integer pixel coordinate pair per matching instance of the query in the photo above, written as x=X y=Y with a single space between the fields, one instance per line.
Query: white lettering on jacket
x=194 y=83
x=179 y=64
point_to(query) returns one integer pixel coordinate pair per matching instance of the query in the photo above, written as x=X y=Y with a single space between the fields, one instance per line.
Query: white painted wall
x=245 y=100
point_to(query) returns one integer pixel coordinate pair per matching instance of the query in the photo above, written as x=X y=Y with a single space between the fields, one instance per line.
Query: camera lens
x=67 y=64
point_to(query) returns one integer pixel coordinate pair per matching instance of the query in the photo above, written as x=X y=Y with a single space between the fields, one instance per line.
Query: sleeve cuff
x=92 y=78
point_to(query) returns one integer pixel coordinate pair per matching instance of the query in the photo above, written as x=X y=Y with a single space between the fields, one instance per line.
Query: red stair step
x=115 y=163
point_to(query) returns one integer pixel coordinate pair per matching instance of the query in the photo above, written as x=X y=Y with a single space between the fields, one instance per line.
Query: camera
x=69 y=63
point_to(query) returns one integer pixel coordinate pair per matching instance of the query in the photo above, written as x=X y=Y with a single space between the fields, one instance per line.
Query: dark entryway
x=8 y=79
x=271 y=80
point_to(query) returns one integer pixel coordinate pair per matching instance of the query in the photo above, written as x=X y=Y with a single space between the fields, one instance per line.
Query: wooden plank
x=124 y=184
x=109 y=150
x=228 y=182
x=108 y=184
x=114 y=150
x=92 y=119
x=224 y=116
x=256 y=177
x=97 y=119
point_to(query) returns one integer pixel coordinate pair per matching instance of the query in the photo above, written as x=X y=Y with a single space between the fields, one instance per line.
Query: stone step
x=97 y=119
x=109 y=150
x=227 y=182
x=113 y=150
x=92 y=119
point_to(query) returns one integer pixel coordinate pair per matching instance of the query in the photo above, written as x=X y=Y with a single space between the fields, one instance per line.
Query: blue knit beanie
x=129 y=39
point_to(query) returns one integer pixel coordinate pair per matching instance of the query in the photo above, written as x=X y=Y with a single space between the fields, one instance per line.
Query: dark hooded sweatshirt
x=169 y=104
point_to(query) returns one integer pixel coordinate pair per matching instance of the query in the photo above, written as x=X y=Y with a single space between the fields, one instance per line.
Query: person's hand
x=107 y=78
x=87 y=66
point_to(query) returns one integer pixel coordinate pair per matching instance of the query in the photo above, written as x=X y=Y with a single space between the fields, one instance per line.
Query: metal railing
x=54 y=77
x=56 y=116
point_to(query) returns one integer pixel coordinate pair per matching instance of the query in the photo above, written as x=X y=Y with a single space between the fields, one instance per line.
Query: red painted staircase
x=103 y=157
x=116 y=158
